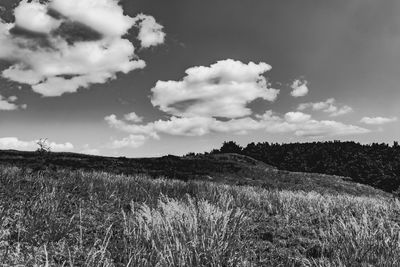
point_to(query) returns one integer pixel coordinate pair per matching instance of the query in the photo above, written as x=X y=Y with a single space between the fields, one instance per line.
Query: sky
x=153 y=77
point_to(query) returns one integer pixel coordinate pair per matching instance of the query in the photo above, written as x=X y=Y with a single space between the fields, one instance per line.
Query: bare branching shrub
x=44 y=146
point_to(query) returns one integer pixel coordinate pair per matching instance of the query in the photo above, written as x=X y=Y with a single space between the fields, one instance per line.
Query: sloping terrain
x=227 y=168
x=377 y=165
x=78 y=218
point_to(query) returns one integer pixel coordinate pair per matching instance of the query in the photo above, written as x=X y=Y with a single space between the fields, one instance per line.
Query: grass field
x=76 y=218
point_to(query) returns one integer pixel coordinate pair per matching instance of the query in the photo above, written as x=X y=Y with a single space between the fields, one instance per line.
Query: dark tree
x=375 y=164
x=231 y=147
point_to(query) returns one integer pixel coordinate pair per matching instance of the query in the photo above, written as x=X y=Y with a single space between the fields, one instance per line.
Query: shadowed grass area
x=76 y=218
x=226 y=168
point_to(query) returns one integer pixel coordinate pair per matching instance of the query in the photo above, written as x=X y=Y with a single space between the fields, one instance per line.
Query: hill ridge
x=230 y=168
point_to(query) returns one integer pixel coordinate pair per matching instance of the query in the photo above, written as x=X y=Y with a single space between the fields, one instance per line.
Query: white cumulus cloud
x=297 y=123
x=296 y=117
x=33 y=17
x=104 y=16
x=132 y=141
x=329 y=106
x=377 y=120
x=215 y=99
x=133 y=117
x=221 y=90
x=9 y=103
x=63 y=45
x=150 y=32
x=299 y=88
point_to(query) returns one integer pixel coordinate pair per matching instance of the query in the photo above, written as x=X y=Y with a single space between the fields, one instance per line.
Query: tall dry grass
x=96 y=219
x=185 y=233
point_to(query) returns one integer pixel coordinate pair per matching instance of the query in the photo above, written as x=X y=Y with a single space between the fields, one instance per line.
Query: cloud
x=377 y=120
x=133 y=117
x=297 y=117
x=300 y=88
x=302 y=124
x=132 y=141
x=328 y=106
x=63 y=45
x=128 y=127
x=61 y=147
x=215 y=99
x=193 y=126
x=12 y=98
x=15 y=143
x=33 y=17
x=150 y=33
x=9 y=103
x=89 y=151
x=314 y=128
x=341 y=111
x=104 y=16
x=223 y=89
x=297 y=123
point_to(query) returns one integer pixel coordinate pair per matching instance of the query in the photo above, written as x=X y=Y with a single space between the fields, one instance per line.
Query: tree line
x=376 y=164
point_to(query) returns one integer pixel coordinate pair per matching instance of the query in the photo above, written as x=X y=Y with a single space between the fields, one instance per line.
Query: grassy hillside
x=377 y=165
x=225 y=168
x=75 y=218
